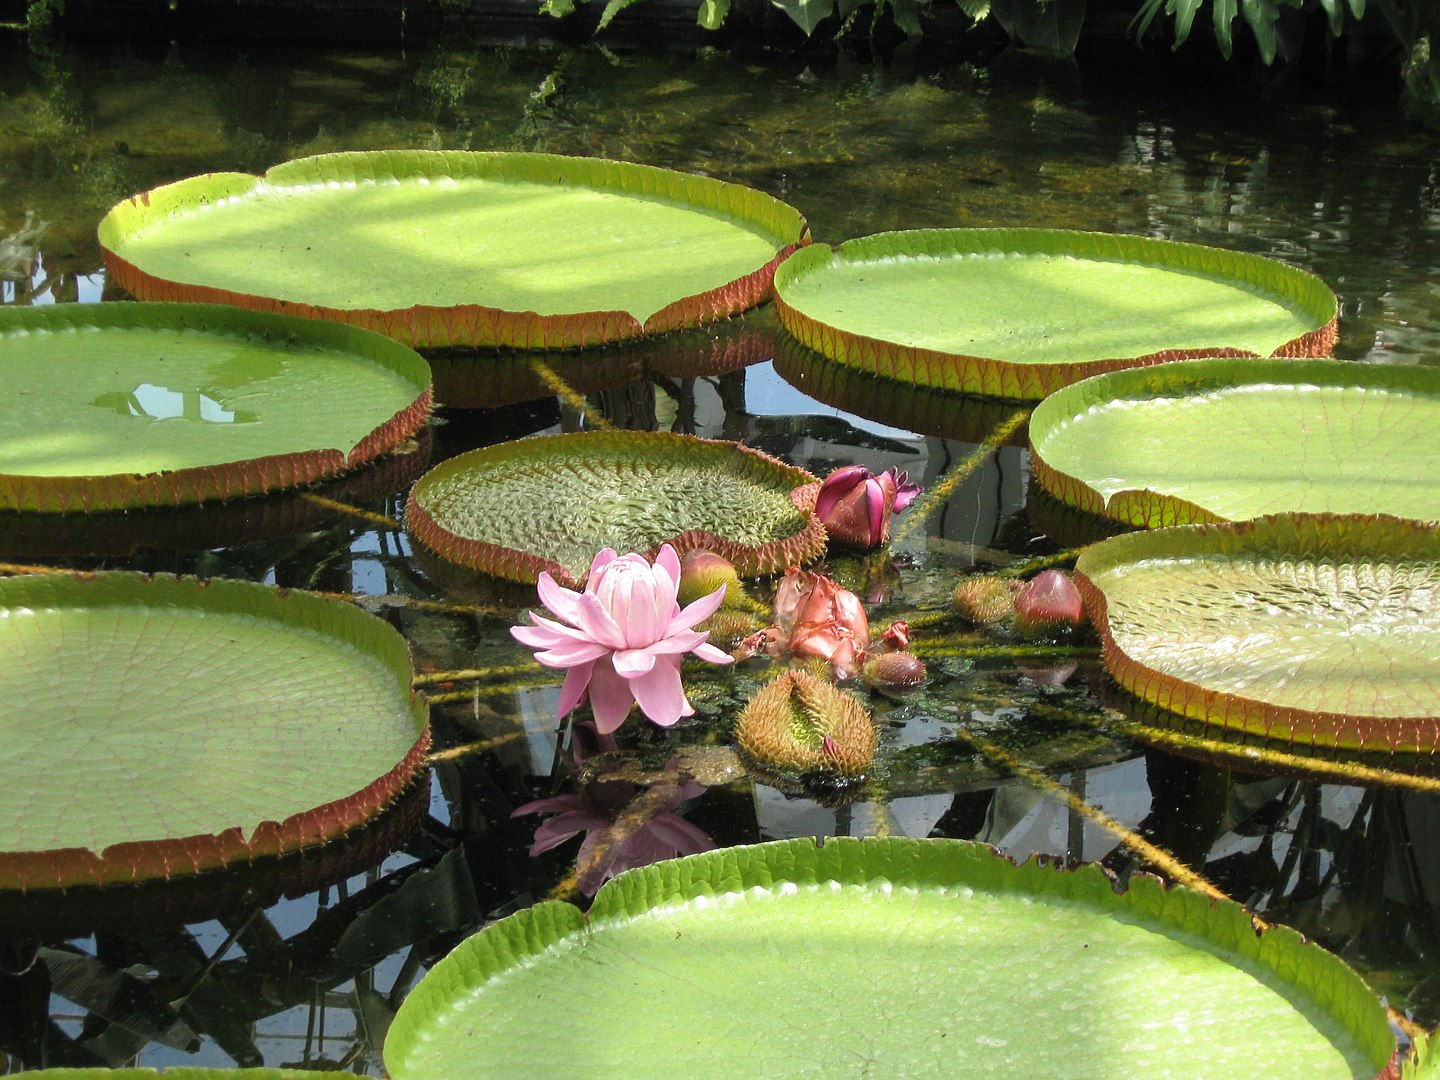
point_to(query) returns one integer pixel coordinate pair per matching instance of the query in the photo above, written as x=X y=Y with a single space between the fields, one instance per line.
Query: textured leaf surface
x=1225 y=440
x=1021 y=312
x=931 y=957
x=550 y=503
x=108 y=406
x=457 y=248
x=155 y=727
x=1312 y=629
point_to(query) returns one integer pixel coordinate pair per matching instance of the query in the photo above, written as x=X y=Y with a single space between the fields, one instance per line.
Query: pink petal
x=674 y=644
x=668 y=561
x=562 y=601
x=712 y=654
x=877 y=503
x=598 y=624
x=557 y=804
x=573 y=692
x=697 y=611
x=659 y=693
x=569 y=655
x=610 y=697
x=632 y=663
x=604 y=557
x=681 y=835
x=836 y=486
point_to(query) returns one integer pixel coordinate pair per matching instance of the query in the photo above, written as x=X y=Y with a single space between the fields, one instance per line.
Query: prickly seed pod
x=798 y=724
x=894 y=671
x=984 y=599
x=702 y=572
x=727 y=627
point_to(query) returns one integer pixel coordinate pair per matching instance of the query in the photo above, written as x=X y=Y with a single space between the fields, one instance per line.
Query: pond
x=1003 y=744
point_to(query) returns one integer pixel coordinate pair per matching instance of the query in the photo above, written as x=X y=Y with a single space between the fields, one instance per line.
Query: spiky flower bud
x=800 y=724
x=894 y=671
x=984 y=599
x=702 y=572
x=1049 y=602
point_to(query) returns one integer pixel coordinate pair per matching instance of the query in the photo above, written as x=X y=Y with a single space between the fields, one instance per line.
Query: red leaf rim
x=228 y=480
x=750 y=560
x=134 y=862
x=1288 y=535
x=992 y=377
x=1150 y=509
x=463 y=325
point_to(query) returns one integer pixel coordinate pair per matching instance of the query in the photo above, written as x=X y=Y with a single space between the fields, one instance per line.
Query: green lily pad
x=1321 y=630
x=159 y=727
x=1019 y=313
x=551 y=502
x=115 y=406
x=917 y=958
x=1225 y=440
x=439 y=248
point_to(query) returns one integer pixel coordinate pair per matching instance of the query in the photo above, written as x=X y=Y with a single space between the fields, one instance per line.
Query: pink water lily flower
x=856 y=505
x=622 y=638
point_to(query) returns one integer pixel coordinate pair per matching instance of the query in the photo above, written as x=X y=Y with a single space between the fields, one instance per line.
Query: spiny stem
x=401 y=600
x=948 y=649
x=936 y=496
x=478 y=747
x=499 y=671
x=569 y=395
x=1334 y=771
x=1151 y=853
x=29 y=568
x=515 y=687
x=383 y=520
x=925 y=618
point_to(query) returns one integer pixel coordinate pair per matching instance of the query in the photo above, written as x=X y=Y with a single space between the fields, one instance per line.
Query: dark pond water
x=1330 y=177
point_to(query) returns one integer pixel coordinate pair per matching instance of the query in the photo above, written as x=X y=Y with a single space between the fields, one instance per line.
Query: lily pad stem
x=936 y=496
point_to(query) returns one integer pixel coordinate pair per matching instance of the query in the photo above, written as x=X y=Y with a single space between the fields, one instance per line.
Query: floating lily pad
x=1320 y=630
x=113 y=406
x=925 y=958
x=158 y=727
x=550 y=503
x=1019 y=313
x=1225 y=440
x=439 y=248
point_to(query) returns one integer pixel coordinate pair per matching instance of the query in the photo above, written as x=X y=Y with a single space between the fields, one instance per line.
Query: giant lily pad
x=550 y=503
x=439 y=248
x=155 y=727
x=1320 y=629
x=1225 y=440
x=1019 y=313
x=918 y=958
x=112 y=406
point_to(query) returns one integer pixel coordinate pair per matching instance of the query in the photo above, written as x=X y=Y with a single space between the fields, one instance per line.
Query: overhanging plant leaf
x=114 y=406
x=550 y=503
x=1050 y=27
x=931 y=956
x=155 y=727
x=1018 y=313
x=1224 y=440
x=440 y=248
x=806 y=14
x=1321 y=630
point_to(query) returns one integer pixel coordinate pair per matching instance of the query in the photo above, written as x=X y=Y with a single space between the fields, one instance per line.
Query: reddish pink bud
x=894 y=670
x=855 y=505
x=1049 y=601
